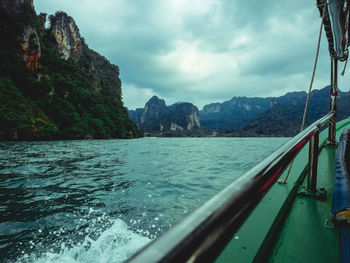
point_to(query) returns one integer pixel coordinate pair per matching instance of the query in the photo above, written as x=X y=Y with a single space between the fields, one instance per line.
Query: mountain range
x=238 y=111
x=285 y=117
x=241 y=116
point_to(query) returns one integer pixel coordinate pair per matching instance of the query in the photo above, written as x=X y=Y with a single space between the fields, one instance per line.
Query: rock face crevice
x=31 y=47
x=156 y=117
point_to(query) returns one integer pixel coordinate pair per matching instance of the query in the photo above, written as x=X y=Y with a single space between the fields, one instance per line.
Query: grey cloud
x=136 y=34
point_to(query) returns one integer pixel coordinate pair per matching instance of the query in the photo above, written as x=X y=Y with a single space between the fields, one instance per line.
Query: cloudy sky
x=203 y=51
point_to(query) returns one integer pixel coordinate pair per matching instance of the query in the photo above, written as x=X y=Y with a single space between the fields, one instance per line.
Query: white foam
x=115 y=245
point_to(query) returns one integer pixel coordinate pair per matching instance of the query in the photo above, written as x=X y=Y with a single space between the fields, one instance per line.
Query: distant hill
x=285 y=119
x=238 y=117
x=158 y=119
x=238 y=111
x=272 y=116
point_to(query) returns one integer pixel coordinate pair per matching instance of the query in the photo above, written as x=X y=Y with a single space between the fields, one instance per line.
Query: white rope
x=310 y=87
x=346 y=62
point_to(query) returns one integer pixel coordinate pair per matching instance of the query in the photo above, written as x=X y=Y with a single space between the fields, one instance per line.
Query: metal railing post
x=313 y=162
x=311 y=182
x=333 y=101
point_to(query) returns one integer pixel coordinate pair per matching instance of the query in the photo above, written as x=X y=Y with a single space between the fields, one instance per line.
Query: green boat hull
x=290 y=227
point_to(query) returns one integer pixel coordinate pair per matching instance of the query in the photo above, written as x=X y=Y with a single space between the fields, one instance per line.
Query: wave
x=114 y=245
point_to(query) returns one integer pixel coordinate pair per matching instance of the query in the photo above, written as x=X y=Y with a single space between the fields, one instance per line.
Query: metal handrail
x=202 y=235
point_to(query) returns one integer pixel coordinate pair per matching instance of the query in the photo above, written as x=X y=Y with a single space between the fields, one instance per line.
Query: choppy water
x=101 y=200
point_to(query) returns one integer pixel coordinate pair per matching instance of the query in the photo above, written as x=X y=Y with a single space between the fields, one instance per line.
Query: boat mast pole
x=333 y=101
x=335 y=95
x=330 y=104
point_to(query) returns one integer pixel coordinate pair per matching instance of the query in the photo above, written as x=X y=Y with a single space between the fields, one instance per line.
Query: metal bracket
x=320 y=194
x=332 y=143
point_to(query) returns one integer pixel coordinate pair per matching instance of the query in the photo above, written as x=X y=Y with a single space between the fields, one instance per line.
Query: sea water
x=102 y=200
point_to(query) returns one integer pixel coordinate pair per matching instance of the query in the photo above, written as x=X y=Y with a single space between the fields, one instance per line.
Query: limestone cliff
x=30 y=39
x=183 y=116
x=177 y=119
x=67 y=35
x=153 y=115
x=70 y=44
x=52 y=85
x=136 y=115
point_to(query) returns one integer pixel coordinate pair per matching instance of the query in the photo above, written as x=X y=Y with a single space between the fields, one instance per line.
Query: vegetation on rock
x=49 y=97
